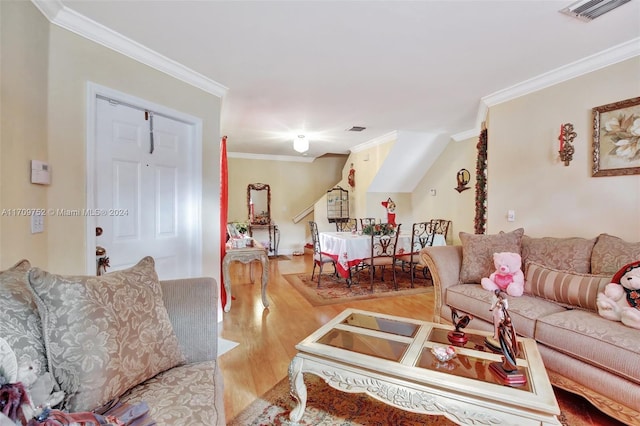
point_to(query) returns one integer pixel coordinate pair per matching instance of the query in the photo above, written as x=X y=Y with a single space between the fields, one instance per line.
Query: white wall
x=48 y=68
x=525 y=174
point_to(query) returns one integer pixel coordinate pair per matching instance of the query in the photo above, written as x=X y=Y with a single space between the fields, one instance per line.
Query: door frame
x=95 y=90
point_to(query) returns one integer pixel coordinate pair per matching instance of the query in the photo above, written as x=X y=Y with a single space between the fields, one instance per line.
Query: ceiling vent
x=356 y=129
x=587 y=10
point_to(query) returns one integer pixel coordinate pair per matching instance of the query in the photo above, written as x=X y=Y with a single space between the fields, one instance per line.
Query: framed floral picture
x=616 y=138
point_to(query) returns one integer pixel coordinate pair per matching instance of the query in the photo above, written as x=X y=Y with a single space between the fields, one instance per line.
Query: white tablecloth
x=348 y=249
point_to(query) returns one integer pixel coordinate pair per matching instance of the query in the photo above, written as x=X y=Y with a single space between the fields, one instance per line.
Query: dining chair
x=421 y=237
x=440 y=226
x=318 y=258
x=347 y=225
x=367 y=221
x=383 y=254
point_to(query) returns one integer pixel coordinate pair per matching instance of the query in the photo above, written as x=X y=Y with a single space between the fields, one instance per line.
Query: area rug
x=334 y=289
x=327 y=406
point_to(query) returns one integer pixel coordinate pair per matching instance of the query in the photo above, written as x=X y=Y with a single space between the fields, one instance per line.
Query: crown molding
x=607 y=57
x=267 y=157
x=388 y=137
x=467 y=134
x=60 y=15
x=575 y=69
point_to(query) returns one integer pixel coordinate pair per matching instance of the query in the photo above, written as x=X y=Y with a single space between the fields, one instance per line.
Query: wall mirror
x=259 y=203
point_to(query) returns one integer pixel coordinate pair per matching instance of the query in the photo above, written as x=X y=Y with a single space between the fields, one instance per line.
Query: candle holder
x=567 y=135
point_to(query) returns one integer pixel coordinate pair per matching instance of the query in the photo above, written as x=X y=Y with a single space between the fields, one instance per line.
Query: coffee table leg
x=297 y=389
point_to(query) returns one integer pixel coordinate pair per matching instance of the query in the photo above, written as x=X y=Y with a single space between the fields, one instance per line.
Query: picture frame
x=616 y=138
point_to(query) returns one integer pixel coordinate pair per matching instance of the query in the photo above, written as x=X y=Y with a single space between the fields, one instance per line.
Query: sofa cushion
x=612 y=253
x=565 y=254
x=478 y=249
x=184 y=395
x=572 y=289
x=19 y=319
x=524 y=310
x=585 y=335
x=104 y=334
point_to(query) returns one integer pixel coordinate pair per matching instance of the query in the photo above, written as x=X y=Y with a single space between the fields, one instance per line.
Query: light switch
x=37 y=223
x=511 y=216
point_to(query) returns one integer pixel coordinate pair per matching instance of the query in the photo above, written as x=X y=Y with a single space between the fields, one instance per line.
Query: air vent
x=356 y=129
x=587 y=10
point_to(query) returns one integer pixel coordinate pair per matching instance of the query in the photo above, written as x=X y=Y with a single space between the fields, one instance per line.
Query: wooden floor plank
x=267 y=337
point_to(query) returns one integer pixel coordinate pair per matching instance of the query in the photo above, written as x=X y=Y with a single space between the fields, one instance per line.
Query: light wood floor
x=267 y=337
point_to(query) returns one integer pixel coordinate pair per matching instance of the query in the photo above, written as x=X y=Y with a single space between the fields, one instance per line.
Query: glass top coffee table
x=390 y=358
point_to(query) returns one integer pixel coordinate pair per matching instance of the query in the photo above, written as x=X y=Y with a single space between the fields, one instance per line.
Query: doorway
x=143 y=184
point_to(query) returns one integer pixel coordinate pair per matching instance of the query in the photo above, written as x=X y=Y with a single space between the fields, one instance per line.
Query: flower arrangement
x=624 y=132
x=242 y=227
x=379 y=229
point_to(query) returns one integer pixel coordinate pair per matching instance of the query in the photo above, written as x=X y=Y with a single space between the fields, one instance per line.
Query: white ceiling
x=320 y=67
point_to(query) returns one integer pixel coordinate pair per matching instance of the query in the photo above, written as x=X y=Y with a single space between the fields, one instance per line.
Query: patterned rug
x=334 y=289
x=327 y=406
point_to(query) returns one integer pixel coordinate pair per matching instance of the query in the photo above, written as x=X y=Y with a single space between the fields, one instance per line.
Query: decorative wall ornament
x=480 y=221
x=616 y=138
x=391 y=208
x=352 y=177
x=463 y=177
x=567 y=135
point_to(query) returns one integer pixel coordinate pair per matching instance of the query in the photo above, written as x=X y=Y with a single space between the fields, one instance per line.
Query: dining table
x=348 y=249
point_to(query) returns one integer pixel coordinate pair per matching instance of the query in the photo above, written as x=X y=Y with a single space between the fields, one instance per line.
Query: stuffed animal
x=508 y=275
x=621 y=299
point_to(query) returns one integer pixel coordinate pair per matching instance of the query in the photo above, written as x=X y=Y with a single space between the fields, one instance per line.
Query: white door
x=143 y=203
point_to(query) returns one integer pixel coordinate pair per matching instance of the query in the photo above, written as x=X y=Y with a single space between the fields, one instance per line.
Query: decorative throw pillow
x=478 y=249
x=612 y=253
x=564 y=254
x=569 y=288
x=19 y=319
x=104 y=334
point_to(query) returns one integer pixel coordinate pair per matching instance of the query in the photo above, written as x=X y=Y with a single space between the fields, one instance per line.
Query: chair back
x=367 y=221
x=315 y=237
x=421 y=235
x=385 y=245
x=440 y=226
x=346 y=225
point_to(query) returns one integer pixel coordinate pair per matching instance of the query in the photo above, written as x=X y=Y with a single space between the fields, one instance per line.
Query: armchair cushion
x=478 y=249
x=104 y=334
x=19 y=320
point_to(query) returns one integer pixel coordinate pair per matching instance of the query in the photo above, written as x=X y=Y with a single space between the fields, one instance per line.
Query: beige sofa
x=583 y=352
x=124 y=336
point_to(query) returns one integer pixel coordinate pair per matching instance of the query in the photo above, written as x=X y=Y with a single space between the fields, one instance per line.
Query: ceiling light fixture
x=301 y=144
x=587 y=10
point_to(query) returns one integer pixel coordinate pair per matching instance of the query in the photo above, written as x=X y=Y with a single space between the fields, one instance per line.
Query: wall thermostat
x=40 y=172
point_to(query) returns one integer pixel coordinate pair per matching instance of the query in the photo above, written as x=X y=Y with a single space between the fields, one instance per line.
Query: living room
x=45 y=69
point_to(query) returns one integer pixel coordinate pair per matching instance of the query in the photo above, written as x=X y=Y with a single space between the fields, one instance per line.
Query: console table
x=274 y=235
x=246 y=255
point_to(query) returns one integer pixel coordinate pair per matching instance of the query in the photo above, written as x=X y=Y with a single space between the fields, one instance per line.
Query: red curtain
x=224 y=202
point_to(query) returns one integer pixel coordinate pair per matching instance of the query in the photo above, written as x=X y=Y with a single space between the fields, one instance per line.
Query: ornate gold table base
x=246 y=255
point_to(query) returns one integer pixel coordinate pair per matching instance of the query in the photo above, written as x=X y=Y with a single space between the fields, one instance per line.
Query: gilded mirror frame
x=256 y=218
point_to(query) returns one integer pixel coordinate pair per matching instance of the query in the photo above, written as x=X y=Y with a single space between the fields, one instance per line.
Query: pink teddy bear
x=508 y=276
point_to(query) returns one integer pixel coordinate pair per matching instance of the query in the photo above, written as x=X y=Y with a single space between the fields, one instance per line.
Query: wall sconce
x=463 y=177
x=567 y=135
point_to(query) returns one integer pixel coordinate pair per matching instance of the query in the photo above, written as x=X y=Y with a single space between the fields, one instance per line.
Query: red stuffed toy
x=621 y=299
